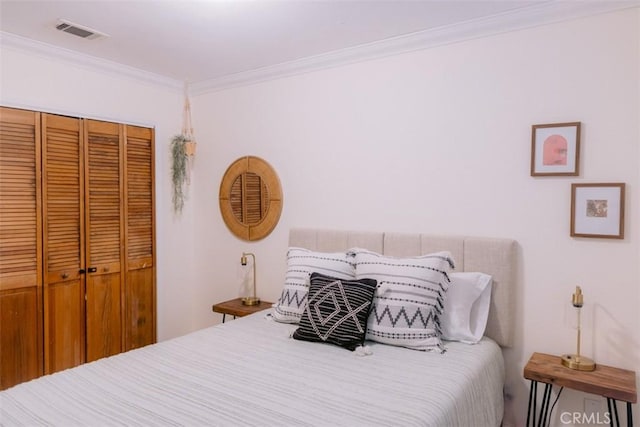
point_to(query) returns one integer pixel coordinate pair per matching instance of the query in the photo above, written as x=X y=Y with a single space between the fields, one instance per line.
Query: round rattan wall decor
x=250 y=198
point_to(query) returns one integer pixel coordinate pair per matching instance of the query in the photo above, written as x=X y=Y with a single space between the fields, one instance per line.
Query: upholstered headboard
x=494 y=256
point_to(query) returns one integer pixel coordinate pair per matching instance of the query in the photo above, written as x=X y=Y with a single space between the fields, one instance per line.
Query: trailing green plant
x=179 y=171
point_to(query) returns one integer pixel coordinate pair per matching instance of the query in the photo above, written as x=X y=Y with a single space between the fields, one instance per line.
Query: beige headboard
x=493 y=256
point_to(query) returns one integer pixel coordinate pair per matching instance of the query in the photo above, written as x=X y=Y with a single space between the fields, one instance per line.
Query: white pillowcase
x=300 y=264
x=466 y=307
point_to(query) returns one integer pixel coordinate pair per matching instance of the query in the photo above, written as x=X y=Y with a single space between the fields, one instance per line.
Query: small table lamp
x=251 y=300
x=576 y=361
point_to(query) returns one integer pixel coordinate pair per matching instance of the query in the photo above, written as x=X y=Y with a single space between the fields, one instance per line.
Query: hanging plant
x=183 y=148
x=179 y=171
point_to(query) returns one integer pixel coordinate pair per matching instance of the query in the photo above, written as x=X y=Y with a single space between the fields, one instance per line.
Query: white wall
x=40 y=83
x=438 y=141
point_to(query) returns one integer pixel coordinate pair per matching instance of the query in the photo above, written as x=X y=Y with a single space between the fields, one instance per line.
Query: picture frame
x=597 y=210
x=555 y=149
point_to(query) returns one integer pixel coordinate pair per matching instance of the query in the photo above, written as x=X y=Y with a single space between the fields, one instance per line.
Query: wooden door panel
x=20 y=247
x=103 y=196
x=140 y=297
x=20 y=226
x=20 y=355
x=62 y=204
x=140 y=313
x=139 y=195
x=64 y=335
x=104 y=215
x=104 y=325
x=63 y=242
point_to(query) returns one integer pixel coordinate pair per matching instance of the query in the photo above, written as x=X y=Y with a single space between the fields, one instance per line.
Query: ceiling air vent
x=79 y=30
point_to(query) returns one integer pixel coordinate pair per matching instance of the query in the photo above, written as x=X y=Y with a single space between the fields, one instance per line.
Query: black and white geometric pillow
x=337 y=311
x=409 y=300
x=300 y=264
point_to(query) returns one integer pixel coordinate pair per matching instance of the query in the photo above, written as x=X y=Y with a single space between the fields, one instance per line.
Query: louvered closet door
x=105 y=237
x=64 y=283
x=20 y=247
x=140 y=322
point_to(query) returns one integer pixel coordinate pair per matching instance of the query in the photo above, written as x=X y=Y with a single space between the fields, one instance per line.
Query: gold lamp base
x=579 y=363
x=250 y=301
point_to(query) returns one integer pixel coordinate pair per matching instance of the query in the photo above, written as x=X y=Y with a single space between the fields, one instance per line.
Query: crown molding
x=539 y=14
x=91 y=62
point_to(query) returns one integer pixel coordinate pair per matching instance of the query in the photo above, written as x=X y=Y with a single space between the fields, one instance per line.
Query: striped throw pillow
x=300 y=264
x=409 y=299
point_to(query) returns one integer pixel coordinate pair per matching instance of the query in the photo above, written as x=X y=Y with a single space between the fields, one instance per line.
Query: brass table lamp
x=577 y=361
x=251 y=300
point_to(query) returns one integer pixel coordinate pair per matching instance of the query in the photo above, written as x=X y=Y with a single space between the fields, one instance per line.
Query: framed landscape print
x=555 y=149
x=597 y=210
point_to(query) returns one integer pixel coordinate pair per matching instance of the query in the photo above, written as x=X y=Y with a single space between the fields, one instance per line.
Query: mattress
x=250 y=372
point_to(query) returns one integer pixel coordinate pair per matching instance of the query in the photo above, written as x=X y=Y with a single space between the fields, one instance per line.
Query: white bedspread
x=248 y=372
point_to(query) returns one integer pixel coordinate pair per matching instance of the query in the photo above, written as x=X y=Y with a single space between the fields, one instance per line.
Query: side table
x=235 y=308
x=612 y=383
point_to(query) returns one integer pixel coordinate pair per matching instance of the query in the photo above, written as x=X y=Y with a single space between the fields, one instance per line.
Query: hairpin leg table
x=612 y=383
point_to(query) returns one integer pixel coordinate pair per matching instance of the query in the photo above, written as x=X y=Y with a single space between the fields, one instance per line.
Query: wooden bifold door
x=89 y=291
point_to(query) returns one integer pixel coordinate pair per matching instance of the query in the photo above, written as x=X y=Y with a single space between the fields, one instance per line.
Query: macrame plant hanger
x=183 y=150
x=187 y=133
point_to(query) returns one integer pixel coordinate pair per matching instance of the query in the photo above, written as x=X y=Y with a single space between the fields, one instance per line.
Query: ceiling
x=213 y=42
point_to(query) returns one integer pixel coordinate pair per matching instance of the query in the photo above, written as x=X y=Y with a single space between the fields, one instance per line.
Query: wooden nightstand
x=235 y=308
x=612 y=383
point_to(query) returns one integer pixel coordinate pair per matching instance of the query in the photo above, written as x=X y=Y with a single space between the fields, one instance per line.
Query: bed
x=251 y=372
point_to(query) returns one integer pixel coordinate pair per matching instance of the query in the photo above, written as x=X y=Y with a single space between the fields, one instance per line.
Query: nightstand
x=612 y=383
x=235 y=308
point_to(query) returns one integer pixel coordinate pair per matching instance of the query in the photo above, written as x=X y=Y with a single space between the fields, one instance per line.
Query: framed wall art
x=597 y=210
x=555 y=149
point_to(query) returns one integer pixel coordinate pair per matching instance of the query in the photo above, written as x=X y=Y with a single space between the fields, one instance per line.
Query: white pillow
x=466 y=307
x=300 y=264
x=408 y=303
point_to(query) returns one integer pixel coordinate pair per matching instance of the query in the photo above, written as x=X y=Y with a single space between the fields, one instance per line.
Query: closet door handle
x=92 y=269
x=81 y=271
